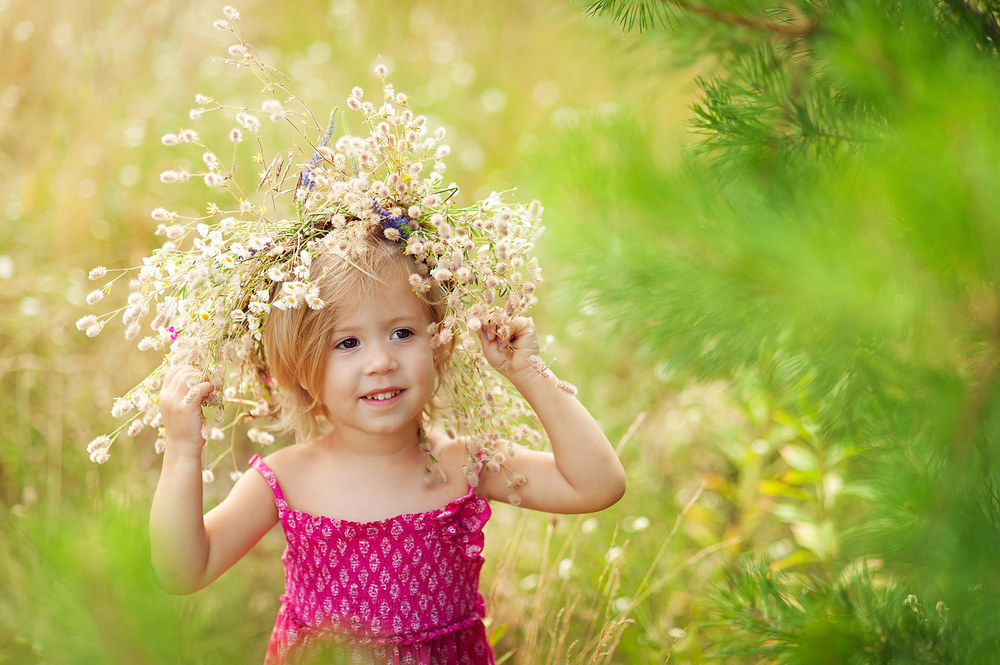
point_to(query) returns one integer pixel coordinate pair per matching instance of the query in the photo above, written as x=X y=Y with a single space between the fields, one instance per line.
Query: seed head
x=103 y=442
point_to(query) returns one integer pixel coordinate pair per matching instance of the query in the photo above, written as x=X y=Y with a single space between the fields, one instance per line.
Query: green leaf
x=796 y=558
x=798 y=457
x=778 y=488
x=819 y=538
x=496 y=634
x=789 y=513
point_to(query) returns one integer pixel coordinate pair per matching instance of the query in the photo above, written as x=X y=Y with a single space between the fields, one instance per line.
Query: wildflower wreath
x=211 y=285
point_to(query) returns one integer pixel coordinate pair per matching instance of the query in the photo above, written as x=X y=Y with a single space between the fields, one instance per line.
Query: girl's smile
x=384 y=397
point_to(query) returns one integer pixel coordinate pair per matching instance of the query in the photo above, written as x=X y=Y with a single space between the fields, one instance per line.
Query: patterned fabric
x=401 y=590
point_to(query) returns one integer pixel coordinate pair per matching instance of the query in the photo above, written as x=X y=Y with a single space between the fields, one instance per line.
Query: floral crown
x=211 y=285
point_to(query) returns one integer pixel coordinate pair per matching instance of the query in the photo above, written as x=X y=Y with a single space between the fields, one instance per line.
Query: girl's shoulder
x=290 y=459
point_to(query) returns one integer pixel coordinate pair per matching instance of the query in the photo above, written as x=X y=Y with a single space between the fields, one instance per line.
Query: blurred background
x=770 y=264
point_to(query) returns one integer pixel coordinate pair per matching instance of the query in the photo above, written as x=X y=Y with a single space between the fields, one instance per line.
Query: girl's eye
x=348 y=343
x=402 y=333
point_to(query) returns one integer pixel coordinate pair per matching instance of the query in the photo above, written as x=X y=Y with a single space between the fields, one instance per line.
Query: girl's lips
x=371 y=398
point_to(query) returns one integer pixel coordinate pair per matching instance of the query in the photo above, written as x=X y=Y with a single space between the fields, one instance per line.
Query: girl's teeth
x=383 y=396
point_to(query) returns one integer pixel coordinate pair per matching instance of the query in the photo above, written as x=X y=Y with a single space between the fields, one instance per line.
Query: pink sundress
x=401 y=590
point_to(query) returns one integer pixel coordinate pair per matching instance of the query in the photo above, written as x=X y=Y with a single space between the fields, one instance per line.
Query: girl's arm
x=190 y=550
x=582 y=474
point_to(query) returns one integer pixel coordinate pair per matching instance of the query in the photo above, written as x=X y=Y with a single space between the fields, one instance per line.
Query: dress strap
x=272 y=480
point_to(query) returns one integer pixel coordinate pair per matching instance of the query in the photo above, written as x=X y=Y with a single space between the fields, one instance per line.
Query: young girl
x=381 y=566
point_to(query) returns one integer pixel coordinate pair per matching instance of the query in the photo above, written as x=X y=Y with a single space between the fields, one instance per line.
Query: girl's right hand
x=180 y=407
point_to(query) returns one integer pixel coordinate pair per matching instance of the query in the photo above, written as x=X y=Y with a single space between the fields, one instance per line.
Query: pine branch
x=787 y=28
x=984 y=19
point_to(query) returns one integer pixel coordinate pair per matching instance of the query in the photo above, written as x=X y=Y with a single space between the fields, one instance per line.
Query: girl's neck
x=387 y=448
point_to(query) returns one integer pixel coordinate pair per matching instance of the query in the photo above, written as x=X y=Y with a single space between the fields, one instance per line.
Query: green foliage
x=851 y=619
x=834 y=235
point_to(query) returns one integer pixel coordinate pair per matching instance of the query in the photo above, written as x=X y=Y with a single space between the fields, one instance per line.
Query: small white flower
x=94 y=330
x=258 y=307
x=95 y=296
x=216 y=434
x=275 y=274
x=381 y=70
x=314 y=301
x=265 y=439
x=147 y=343
x=238 y=315
x=97 y=273
x=640 y=523
x=235 y=475
x=248 y=121
x=230 y=12
x=220 y=24
x=238 y=51
x=163 y=215
x=188 y=136
x=270 y=106
x=207 y=476
x=442 y=275
x=170 y=139
x=295 y=288
x=169 y=177
x=103 y=442
x=100 y=456
x=254 y=435
x=213 y=179
x=235 y=135
x=211 y=161
x=195 y=114
x=201 y=99
x=565 y=568
x=301 y=272
x=121 y=407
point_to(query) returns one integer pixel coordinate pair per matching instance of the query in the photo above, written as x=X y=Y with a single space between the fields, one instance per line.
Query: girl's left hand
x=508 y=347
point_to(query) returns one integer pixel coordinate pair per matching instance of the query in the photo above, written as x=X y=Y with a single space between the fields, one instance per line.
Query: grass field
x=86 y=90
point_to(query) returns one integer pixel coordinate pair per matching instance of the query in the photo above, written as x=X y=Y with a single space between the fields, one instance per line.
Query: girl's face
x=380 y=369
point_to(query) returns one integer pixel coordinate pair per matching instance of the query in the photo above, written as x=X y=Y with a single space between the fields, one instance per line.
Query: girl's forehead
x=389 y=299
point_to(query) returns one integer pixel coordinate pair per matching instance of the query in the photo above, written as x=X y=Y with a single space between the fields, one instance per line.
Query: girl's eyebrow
x=389 y=323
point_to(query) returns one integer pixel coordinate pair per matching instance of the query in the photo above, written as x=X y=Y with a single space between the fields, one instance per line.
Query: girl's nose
x=379 y=360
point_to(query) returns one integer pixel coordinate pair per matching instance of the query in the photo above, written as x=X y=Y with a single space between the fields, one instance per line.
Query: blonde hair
x=297 y=341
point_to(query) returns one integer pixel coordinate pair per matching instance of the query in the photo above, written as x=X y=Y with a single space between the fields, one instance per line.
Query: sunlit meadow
x=86 y=91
